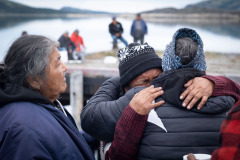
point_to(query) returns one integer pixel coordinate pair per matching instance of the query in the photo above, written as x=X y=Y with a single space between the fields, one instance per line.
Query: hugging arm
x=129 y=130
x=225 y=86
x=206 y=86
x=131 y=125
x=100 y=115
x=215 y=105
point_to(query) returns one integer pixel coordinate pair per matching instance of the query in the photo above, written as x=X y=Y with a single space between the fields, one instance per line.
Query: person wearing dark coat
x=33 y=123
x=113 y=108
x=115 y=29
x=67 y=44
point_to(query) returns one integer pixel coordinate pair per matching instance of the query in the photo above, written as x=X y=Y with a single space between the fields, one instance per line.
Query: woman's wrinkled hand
x=144 y=101
x=197 y=88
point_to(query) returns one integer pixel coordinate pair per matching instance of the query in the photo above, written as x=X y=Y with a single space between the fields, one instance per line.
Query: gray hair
x=186 y=49
x=28 y=57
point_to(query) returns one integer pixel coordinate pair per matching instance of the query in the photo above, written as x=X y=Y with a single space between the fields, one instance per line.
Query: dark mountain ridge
x=210 y=6
x=13 y=7
x=232 y=5
x=76 y=10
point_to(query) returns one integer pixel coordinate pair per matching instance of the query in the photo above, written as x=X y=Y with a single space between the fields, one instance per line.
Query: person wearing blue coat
x=33 y=123
x=139 y=29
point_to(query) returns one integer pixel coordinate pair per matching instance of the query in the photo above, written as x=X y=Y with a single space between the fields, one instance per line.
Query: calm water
x=217 y=38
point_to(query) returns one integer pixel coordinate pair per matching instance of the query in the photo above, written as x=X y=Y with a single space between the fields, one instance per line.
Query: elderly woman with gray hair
x=33 y=123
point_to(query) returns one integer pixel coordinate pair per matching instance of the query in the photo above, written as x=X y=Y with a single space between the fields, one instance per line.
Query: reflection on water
x=12 y=21
x=216 y=37
x=226 y=29
x=232 y=30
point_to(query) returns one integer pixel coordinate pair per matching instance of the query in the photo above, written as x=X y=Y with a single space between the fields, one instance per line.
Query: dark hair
x=114 y=17
x=24 y=33
x=186 y=48
x=28 y=57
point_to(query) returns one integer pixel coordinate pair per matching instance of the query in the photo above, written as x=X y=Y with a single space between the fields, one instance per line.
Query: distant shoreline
x=188 y=17
x=150 y=17
x=52 y=15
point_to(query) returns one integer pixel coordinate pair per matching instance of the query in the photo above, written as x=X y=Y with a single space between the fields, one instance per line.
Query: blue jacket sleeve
x=100 y=115
x=22 y=142
x=132 y=28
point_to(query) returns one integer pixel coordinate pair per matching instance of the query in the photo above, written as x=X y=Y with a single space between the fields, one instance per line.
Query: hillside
x=13 y=7
x=210 y=6
x=76 y=10
x=233 y=5
x=192 y=9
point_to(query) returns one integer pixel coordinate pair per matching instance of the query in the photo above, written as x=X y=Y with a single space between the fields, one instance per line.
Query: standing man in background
x=139 y=29
x=116 y=30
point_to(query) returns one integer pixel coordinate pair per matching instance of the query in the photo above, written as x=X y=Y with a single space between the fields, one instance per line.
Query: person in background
x=79 y=52
x=116 y=30
x=139 y=29
x=24 y=33
x=66 y=44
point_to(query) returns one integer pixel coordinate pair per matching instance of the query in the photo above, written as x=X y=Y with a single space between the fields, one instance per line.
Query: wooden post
x=76 y=96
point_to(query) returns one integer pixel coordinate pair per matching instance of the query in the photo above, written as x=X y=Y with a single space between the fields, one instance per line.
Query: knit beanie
x=171 y=61
x=135 y=59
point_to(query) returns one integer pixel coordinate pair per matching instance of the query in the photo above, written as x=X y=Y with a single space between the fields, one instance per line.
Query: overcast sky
x=115 y=6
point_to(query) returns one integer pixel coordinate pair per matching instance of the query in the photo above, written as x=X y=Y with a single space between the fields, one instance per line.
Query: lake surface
x=223 y=38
